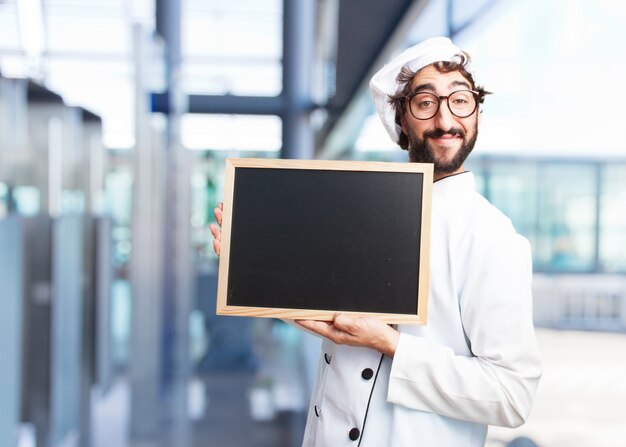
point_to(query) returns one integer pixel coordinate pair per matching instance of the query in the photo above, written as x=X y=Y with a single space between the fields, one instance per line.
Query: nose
x=444 y=118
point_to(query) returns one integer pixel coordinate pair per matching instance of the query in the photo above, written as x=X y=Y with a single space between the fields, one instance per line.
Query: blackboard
x=309 y=238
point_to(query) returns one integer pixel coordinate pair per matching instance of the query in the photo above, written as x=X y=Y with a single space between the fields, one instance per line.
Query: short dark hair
x=406 y=76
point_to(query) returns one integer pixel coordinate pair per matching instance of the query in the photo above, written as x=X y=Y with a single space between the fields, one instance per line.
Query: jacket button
x=354 y=434
x=367 y=373
x=327 y=358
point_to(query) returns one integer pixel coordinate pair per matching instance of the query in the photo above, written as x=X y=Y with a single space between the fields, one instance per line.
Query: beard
x=421 y=150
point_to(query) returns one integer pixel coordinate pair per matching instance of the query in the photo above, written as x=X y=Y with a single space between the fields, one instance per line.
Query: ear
x=403 y=125
x=480 y=117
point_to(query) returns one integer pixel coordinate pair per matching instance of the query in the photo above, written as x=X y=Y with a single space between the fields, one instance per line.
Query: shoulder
x=489 y=218
x=465 y=218
x=457 y=201
x=488 y=227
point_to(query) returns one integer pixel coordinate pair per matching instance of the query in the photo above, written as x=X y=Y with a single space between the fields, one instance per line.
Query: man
x=476 y=362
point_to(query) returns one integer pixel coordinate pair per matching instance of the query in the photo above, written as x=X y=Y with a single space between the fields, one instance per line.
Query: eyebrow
x=431 y=87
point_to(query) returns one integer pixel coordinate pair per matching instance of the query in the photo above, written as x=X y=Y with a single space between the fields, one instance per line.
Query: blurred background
x=115 y=120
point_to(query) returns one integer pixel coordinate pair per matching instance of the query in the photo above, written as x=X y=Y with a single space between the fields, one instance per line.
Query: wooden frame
x=251 y=236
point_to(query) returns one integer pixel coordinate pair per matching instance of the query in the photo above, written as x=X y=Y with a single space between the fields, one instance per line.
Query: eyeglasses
x=424 y=105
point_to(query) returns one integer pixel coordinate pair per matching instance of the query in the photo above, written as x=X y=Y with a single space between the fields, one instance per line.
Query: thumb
x=345 y=322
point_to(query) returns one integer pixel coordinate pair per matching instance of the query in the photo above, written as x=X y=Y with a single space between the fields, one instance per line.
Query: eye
x=424 y=104
x=461 y=98
x=425 y=101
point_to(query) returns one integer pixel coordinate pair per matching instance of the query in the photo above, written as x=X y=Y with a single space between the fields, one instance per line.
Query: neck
x=440 y=175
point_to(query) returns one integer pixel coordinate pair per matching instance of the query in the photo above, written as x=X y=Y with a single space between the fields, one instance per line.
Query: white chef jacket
x=475 y=363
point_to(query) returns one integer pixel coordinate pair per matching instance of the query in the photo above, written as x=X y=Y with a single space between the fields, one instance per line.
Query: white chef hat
x=384 y=84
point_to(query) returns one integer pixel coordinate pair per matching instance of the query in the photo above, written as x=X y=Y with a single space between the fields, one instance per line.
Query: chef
x=476 y=362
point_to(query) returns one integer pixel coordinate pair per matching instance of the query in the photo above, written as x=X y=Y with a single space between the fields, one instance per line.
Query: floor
x=581 y=402
x=228 y=421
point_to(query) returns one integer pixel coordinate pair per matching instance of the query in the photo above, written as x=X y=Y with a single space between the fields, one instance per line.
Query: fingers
x=215 y=231
x=356 y=331
x=320 y=327
x=341 y=324
x=217 y=241
x=346 y=323
x=218 y=211
x=323 y=328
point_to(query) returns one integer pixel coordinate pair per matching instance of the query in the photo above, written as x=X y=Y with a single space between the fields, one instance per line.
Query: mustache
x=437 y=133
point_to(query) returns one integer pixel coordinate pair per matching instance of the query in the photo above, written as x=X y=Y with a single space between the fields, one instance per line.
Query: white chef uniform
x=475 y=363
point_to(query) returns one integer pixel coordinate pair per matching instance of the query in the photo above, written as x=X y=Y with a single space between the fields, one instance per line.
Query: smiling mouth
x=440 y=134
x=447 y=138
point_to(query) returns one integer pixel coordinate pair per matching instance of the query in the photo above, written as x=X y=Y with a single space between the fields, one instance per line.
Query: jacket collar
x=455 y=184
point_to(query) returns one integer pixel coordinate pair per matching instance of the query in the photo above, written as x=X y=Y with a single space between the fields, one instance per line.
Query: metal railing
x=581 y=302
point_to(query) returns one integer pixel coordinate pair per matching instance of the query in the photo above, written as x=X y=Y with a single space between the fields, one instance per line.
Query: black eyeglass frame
x=440 y=99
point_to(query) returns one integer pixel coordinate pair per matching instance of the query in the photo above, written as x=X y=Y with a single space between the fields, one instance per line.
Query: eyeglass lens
x=425 y=105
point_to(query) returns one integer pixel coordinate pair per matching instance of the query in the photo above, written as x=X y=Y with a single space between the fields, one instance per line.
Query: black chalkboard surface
x=307 y=239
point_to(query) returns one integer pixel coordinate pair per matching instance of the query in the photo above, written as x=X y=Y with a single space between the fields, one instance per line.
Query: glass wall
x=119 y=197
x=612 y=234
x=572 y=212
x=566 y=218
x=232 y=47
x=513 y=187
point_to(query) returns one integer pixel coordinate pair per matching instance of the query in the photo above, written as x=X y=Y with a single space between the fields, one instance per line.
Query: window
x=555 y=206
x=613 y=219
x=566 y=218
x=513 y=188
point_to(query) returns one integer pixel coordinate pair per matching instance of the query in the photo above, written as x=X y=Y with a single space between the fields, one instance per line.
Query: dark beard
x=420 y=151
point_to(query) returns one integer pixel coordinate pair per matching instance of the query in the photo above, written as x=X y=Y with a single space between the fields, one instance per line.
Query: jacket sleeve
x=497 y=384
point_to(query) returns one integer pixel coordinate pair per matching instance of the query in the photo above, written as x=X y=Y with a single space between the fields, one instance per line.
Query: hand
x=368 y=332
x=216 y=229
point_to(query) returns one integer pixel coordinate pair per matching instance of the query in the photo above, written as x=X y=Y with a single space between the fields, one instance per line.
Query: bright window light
x=32 y=31
x=231 y=132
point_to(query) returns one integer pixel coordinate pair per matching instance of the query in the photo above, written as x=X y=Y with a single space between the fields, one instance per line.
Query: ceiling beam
x=344 y=133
